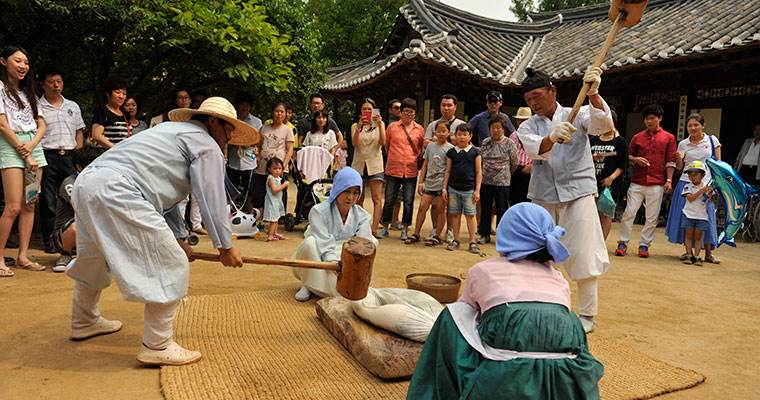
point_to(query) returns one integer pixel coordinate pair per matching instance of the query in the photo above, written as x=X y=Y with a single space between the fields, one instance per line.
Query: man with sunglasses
x=479 y=123
x=563 y=177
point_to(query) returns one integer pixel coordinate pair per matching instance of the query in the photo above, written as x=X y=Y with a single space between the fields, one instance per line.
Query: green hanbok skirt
x=449 y=368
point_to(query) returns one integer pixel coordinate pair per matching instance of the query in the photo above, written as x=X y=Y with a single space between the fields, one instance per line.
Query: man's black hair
x=653 y=109
x=409 y=103
x=86 y=155
x=449 y=97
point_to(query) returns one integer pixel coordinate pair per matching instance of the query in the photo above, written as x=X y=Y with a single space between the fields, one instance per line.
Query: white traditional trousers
x=321 y=282
x=651 y=196
x=585 y=241
x=157 y=330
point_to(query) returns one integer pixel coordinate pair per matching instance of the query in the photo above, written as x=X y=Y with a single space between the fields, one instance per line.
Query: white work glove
x=593 y=76
x=562 y=133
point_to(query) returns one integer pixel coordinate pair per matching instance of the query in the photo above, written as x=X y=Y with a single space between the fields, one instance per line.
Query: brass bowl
x=444 y=288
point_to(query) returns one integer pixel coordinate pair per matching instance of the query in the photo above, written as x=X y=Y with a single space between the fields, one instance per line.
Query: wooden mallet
x=623 y=13
x=354 y=268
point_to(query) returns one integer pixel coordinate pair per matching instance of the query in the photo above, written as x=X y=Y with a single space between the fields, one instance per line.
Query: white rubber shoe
x=174 y=354
x=101 y=327
x=588 y=323
x=303 y=294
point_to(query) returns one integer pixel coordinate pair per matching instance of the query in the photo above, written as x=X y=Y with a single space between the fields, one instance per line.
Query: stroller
x=308 y=171
x=243 y=224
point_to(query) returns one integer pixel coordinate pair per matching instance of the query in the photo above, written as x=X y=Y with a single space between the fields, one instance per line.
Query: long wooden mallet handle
x=597 y=63
x=333 y=266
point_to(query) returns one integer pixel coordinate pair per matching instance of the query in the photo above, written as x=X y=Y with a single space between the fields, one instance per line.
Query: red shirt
x=659 y=149
x=402 y=159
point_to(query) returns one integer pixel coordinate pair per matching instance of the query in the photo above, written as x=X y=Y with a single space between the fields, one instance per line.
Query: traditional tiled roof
x=560 y=43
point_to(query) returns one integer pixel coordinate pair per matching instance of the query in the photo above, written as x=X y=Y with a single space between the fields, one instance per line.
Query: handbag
x=420 y=158
x=606 y=204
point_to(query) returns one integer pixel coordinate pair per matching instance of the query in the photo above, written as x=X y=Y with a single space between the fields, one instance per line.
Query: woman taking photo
x=21 y=157
x=130 y=110
x=109 y=124
x=699 y=146
x=368 y=136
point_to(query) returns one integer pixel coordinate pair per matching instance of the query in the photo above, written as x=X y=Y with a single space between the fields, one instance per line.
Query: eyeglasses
x=183 y=97
x=408 y=111
x=395 y=107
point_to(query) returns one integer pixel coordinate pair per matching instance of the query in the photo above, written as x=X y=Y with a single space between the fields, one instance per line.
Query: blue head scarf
x=527 y=228
x=345 y=178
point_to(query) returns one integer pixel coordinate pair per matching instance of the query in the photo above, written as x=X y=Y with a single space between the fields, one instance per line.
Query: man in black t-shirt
x=317 y=103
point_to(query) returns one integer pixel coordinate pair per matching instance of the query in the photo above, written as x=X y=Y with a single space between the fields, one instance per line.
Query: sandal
x=453 y=245
x=433 y=241
x=32 y=266
x=279 y=237
x=6 y=273
x=272 y=238
x=474 y=248
x=414 y=238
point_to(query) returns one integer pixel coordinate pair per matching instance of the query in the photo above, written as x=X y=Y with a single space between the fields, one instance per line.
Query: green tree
x=351 y=30
x=521 y=8
x=221 y=46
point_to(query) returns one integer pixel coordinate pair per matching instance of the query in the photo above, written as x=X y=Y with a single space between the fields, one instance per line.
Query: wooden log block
x=385 y=354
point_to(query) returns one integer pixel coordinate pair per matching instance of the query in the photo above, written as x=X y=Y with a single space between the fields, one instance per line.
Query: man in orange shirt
x=404 y=141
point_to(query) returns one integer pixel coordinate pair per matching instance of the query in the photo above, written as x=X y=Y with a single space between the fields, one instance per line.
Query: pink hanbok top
x=497 y=281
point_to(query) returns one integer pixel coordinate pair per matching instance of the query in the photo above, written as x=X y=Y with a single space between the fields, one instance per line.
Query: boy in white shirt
x=695 y=220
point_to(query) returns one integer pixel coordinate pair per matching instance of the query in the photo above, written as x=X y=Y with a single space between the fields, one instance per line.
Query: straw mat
x=264 y=345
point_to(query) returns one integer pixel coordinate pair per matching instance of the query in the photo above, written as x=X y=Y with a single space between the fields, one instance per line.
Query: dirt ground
x=701 y=318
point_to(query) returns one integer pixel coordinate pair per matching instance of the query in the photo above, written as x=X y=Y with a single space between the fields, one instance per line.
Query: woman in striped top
x=109 y=124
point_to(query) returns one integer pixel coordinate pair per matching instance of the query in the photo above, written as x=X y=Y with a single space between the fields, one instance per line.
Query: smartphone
x=367 y=116
x=375 y=111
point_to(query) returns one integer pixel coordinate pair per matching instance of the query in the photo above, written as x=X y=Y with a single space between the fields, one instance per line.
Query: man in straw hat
x=563 y=177
x=518 y=190
x=128 y=224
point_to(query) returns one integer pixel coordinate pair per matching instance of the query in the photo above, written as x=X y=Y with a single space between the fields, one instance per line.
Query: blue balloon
x=735 y=195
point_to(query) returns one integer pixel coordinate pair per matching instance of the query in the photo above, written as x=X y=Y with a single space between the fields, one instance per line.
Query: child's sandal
x=433 y=241
x=272 y=238
x=414 y=238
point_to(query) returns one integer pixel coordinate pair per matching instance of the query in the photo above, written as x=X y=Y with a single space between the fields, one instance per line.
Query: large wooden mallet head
x=632 y=11
x=355 y=270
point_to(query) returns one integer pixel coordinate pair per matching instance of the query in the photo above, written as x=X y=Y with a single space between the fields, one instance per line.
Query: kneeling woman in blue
x=511 y=335
x=330 y=224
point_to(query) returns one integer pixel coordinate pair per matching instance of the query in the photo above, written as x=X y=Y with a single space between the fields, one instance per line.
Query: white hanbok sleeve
x=207 y=185
x=319 y=229
x=531 y=140
x=595 y=121
x=176 y=222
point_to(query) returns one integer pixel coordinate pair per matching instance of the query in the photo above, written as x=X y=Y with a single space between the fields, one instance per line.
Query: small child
x=461 y=186
x=64 y=236
x=430 y=185
x=694 y=221
x=273 y=206
x=341 y=156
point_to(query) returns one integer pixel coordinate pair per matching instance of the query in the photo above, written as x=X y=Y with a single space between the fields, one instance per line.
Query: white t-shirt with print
x=696 y=209
x=697 y=152
x=20 y=120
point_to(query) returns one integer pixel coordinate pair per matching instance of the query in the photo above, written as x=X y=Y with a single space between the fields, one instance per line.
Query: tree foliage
x=521 y=8
x=220 y=46
x=351 y=30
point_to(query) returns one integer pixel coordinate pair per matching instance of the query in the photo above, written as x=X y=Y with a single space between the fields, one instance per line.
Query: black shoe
x=49 y=248
x=12 y=242
x=9 y=261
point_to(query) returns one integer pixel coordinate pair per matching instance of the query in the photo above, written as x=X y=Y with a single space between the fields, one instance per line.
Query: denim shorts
x=460 y=202
x=699 y=224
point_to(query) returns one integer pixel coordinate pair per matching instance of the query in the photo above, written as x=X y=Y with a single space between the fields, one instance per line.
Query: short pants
x=461 y=202
x=699 y=224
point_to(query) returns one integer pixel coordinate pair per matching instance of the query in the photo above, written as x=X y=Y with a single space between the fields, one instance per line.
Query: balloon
x=735 y=195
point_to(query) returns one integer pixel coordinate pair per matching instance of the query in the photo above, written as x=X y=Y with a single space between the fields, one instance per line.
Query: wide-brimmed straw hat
x=523 y=113
x=243 y=135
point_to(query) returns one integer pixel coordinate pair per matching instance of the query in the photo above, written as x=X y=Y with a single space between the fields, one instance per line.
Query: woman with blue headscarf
x=511 y=335
x=330 y=224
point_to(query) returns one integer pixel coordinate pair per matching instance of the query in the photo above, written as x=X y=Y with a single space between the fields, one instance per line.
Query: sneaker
x=453 y=245
x=449 y=236
x=474 y=248
x=397 y=226
x=712 y=259
x=48 y=247
x=303 y=294
x=9 y=261
x=174 y=354
x=697 y=261
x=382 y=233
x=405 y=233
x=687 y=261
x=684 y=257
x=621 y=249
x=62 y=263
x=643 y=251
x=101 y=327
x=588 y=323
x=484 y=239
